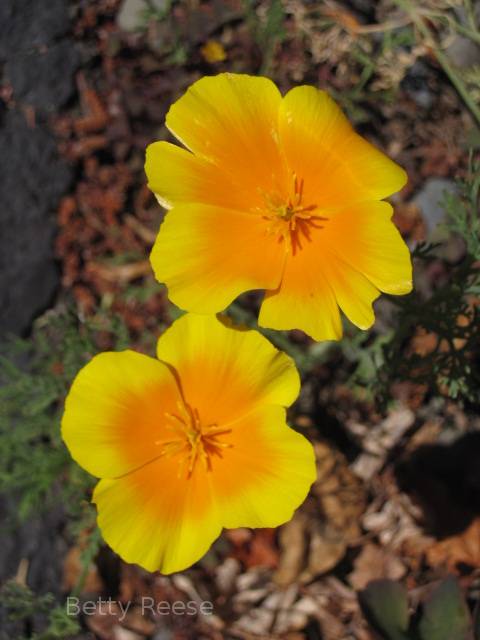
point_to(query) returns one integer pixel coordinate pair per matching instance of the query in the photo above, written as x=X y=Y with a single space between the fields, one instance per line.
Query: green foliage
x=386 y=604
x=305 y=357
x=267 y=30
x=447 y=318
x=35 y=466
x=453 y=324
x=35 y=375
x=154 y=12
x=21 y=604
x=463 y=207
x=443 y=616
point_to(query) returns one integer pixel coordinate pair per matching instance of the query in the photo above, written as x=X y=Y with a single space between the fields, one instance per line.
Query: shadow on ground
x=445 y=481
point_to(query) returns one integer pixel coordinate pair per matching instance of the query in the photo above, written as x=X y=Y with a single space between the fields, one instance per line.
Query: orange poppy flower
x=275 y=193
x=188 y=443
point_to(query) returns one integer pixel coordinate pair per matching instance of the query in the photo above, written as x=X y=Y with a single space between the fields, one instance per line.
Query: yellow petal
x=207 y=256
x=226 y=372
x=353 y=291
x=337 y=165
x=163 y=519
x=343 y=260
x=305 y=299
x=267 y=472
x=157 y=518
x=364 y=237
x=177 y=176
x=114 y=412
x=231 y=120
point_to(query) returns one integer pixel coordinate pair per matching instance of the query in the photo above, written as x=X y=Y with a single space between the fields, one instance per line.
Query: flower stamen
x=292 y=220
x=192 y=440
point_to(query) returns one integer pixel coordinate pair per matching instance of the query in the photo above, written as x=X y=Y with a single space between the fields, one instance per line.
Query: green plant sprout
x=444 y=614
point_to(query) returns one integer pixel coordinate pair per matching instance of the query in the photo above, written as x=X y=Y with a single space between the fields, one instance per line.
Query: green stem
x=87 y=556
x=305 y=359
x=470 y=10
x=444 y=62
x=474 y=36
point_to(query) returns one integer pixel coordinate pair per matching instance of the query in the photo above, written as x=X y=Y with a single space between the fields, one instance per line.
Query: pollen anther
x=192 y=441
x=292 y=221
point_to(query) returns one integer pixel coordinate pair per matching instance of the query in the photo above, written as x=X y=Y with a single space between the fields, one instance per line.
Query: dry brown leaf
x=254 y=548
x=97 y=116
x=409 y=221
x=377 y=441
x=104 y=620
x=72 y=569
x=146 y=234
x=136 y=621
x=461 y=549
x=121 y=273
x=263 y=551
x=342 y=17
x=316 y=538
x=373 y=563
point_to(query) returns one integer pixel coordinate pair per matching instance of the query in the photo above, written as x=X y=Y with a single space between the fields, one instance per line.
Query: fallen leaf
x=120 y=273
x=318 y=535
x=460 y=549
x=409 y=221
x=344 y=18
x=72 y=570
x=96 y=117
x=374 y=563
x=258 y=548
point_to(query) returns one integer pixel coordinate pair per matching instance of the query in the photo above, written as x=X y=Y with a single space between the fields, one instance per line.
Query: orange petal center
x=192 y=441
x=291 y=219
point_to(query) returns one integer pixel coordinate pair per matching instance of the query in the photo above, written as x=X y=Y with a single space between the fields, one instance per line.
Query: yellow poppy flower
x=188 y=443
x=275 y=193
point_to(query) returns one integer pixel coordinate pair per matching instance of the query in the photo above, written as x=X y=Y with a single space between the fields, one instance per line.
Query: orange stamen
x=192 y=441
x=293 y=221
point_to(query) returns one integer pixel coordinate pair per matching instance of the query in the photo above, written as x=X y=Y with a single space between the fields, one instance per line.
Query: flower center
x=191 y=440
x=292 y=221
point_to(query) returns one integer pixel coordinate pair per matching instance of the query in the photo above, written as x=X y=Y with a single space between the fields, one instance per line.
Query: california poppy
x=275 y=193
x=188 y=443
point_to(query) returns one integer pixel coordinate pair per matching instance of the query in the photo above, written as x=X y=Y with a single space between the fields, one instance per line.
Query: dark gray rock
x=26 y=24
x=44 y=79
x=32 y=180
x=463 y=52
x=38 y=543
x=415 y=84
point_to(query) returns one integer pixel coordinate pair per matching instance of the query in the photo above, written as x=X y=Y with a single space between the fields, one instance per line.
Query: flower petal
x=305 y=299
x=353 y=291
x=226 y=372
x=177 y=176
x=207 y=256
x=164 y=520
x=337 y=165
x=156 y=517
x=364 y=236
x=267 y=472
x=114 y=412
x=231 y=120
